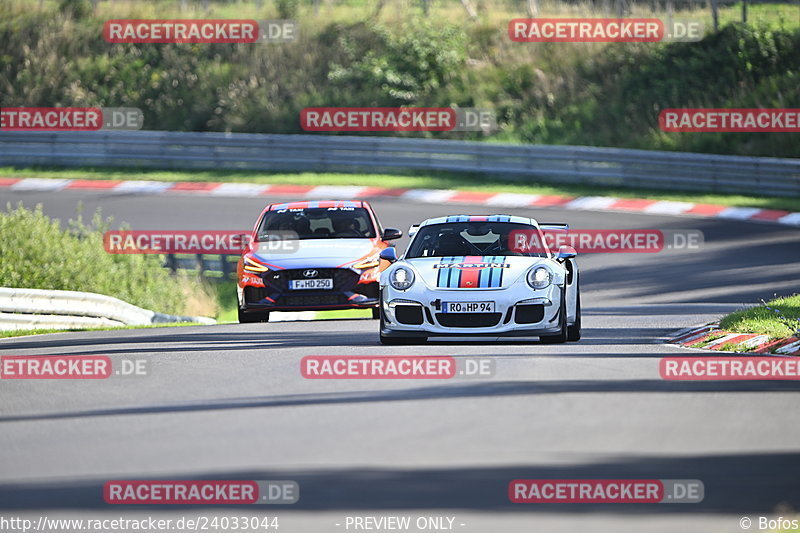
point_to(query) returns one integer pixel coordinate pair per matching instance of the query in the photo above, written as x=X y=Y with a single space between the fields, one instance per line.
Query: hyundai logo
x=310 y=273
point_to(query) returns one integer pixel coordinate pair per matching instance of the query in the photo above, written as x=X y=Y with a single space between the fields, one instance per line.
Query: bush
x=405 y=66
x=549 y=93
x=39 y=254
x=620 y=92
x=75 y=8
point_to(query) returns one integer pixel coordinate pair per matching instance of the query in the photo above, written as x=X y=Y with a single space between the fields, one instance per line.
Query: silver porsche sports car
x=494 y=275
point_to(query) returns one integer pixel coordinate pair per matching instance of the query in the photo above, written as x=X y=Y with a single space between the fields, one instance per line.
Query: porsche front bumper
x=416 y=313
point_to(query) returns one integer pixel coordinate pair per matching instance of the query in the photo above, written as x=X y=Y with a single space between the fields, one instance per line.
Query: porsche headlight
x=401 y=278
x=539 y=277
x=252 y=266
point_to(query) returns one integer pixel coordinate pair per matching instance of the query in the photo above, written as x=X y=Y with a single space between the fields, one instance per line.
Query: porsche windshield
x=475 y=238
x=318 y=223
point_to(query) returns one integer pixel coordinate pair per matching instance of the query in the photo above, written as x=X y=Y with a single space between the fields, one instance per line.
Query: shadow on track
x=478 y=390
x=227 y=338
x=734 y=484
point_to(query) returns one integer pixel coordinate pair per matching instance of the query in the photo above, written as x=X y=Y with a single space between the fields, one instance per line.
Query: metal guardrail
x=212 y=267
x=527 y=163
x=37 y=308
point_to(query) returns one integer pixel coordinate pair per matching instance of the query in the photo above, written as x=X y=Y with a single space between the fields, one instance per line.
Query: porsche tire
x=574 y=331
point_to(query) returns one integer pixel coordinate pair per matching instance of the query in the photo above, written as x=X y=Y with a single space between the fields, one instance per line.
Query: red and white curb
x=710 y=337
x=435 y=196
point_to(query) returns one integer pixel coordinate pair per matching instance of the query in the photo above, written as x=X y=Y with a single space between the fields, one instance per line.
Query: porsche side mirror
x=565 y=252
x=389 y=254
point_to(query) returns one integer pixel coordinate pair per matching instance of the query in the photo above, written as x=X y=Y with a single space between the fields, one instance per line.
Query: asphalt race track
x=228 y=401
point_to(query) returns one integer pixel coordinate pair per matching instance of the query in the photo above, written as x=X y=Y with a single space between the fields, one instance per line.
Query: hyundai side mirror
x=389 y=254
x=390 y=234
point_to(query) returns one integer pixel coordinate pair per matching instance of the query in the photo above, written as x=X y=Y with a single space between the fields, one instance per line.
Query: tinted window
x=319 y=223
x=469 y=238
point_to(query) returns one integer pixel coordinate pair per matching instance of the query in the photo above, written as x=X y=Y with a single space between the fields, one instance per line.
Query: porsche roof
x=479 y=218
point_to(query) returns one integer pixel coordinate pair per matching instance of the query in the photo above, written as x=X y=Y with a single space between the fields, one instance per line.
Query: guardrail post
x=171 y=263
x=225 y=266
x=715 y=14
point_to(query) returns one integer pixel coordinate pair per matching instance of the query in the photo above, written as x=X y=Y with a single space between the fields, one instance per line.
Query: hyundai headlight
x=539 y=277
x=252 y=266
x=401 y=278
x=371 y=262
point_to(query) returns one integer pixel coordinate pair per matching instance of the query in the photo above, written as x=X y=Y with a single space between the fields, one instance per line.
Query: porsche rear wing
x=553 y=226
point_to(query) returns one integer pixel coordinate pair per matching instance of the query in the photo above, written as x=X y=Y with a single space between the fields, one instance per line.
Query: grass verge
x=28 y=332
x=343 y=314
x=417 y=181
x=779 y=318
x=708 y=340
x=225 y=293
x=74 y=259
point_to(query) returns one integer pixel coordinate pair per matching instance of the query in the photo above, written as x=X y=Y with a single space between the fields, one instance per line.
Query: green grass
x=708 y=340
x=343 y=314
x=765 y=321
x=496 y=11
x=418 y=181
x=225 y=293
x=733 y=347
x=5 y=334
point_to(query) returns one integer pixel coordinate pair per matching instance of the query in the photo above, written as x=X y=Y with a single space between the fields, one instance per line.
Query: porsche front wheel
x=562 y=336
x=574 y=331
